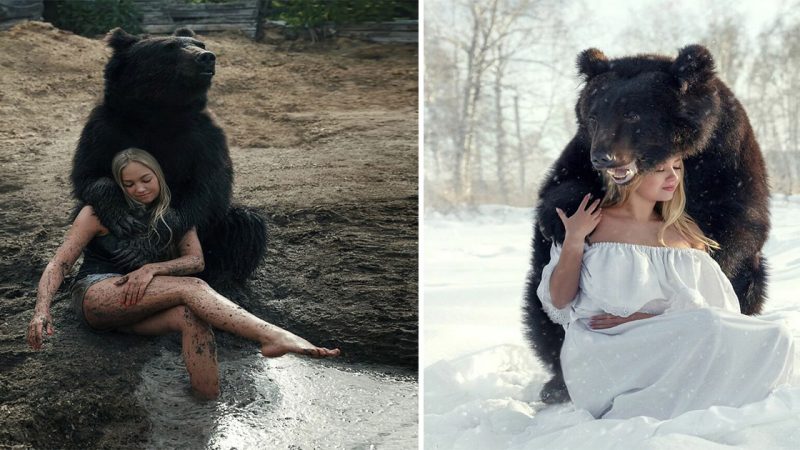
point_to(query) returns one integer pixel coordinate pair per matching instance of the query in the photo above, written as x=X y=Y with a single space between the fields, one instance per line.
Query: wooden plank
x=374 y=28
x=21 y=3
x=21 y=9
x=161 y=17
x=400 y=37
x=213 y=6
x=147 y=17
x=239 y=13
x=386 y=40
x=406 y=25
x=149 y=5
x=215 y=20
x=397 y=31
x=169 y=28
x=209 y=8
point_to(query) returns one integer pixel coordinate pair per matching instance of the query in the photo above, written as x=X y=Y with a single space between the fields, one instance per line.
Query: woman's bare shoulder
x=605 y=229
x=696 y=229
x=87 y=218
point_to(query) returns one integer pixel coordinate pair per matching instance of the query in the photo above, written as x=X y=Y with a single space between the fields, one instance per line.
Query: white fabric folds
x=698 y=351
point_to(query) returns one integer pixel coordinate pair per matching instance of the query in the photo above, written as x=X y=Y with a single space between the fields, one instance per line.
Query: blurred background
x=501 y=83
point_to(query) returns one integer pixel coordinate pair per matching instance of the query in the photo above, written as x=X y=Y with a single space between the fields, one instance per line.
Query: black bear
x=633 y=113
x=155 y=99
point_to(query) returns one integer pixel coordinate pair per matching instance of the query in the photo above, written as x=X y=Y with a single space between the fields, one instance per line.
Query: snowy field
x=482 y=381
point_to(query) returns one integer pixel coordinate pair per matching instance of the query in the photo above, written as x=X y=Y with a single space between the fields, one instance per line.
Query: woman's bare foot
x=282 y=342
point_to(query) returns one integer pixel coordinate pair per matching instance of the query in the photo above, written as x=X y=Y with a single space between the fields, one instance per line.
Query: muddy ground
x=324 y=143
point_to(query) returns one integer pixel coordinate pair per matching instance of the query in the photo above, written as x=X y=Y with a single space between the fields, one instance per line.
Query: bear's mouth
x=623 y=174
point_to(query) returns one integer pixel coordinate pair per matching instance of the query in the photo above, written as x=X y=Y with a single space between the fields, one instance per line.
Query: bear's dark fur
x=155 y=99
x=647 y=108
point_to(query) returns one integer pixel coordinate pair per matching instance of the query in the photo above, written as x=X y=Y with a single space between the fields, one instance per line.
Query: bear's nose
x=602 y=160
x=207 y=59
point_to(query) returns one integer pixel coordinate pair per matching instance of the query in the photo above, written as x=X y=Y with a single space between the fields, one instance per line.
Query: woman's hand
x=40 y=323
x=137 y=282
x=584 y=221
x=602 y=321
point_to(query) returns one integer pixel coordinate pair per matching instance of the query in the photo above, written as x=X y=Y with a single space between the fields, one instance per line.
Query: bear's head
x=173 y=71
x=637 y=111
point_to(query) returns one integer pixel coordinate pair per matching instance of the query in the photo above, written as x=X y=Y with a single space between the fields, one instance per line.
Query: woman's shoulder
x=695 y=230
x=87 y=218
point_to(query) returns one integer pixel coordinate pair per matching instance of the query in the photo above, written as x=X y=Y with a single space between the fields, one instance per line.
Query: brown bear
x=633 y=113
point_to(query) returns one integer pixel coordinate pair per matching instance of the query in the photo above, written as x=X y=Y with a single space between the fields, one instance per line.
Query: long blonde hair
x=672 y=212
x=160 y=205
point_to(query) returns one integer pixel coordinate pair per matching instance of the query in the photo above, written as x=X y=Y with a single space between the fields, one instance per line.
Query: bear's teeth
x=623 y=174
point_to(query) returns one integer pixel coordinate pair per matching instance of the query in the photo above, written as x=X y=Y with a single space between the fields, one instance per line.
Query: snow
x=481 y=380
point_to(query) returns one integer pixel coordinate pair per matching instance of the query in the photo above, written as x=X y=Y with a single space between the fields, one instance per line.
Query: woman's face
x=659 y=185
x=140 y=182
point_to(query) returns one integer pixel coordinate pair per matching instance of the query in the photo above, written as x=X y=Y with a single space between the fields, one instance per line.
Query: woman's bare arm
x=602 y=321
x=83 y=229
x=567 y=273
x=191 y=261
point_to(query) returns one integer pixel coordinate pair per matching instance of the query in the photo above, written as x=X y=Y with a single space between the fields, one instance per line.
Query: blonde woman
x=652 y=325
x=156 y=298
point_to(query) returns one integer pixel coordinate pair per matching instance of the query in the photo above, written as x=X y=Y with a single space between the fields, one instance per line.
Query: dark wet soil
x=324 y=144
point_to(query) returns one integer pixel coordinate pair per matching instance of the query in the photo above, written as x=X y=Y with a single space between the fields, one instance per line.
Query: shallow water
x=287 y=402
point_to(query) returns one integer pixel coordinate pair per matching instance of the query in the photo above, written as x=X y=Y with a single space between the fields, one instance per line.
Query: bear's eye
x=631 y=116
x=200 y=44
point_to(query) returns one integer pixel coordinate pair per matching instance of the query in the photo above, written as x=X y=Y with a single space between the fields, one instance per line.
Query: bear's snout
x=602 y=160
x=207 y=60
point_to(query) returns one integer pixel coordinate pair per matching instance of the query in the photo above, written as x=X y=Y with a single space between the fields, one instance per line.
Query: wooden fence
x=396 y=31
x=163 y=17
x=13 y=11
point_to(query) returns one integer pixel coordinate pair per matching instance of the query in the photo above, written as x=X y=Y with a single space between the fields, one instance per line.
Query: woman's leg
x=103 y=309
x=197 y=339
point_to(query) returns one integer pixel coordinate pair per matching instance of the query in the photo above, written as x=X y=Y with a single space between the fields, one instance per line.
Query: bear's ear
x=694 y=65
x=592 y=62
x=183 y=32
x=119 y=40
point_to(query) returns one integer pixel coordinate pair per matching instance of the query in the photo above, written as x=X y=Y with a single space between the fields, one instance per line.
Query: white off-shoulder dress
x=699 y=351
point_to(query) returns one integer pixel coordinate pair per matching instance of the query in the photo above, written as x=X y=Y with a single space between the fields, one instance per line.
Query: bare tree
x=487 y=51
x=729 y=45
x=774 y=100
x=489 y=27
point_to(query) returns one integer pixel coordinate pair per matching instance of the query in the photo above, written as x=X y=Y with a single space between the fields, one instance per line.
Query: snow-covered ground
x=481 y=380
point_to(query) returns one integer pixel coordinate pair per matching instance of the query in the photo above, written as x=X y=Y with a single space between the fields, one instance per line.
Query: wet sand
x=324 y=144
